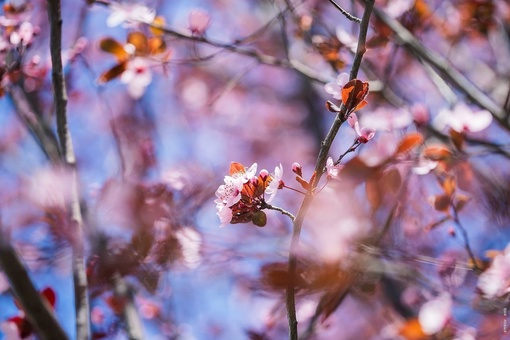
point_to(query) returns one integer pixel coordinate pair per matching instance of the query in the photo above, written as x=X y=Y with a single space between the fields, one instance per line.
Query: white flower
x=275 y=184
x=130 y=14
x=335 y=88
x=225 y=214
x=463 y=119
x=137 y=76
x=495 y=281
x=332 y=170
x=434 y=314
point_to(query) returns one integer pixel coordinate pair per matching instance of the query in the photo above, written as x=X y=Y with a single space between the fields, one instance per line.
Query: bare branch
x=60 y=97
x=345 y=13
x=37 y=312
x=319 y=171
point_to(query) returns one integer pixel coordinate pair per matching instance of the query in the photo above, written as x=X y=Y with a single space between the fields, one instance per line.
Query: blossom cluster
x=243 y=195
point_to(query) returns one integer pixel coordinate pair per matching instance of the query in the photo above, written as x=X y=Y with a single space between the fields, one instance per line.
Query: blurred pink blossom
x=137 y=76
x=364 y=134
x=225 y=214
x=434 y=314
x=463 y=119
x=420 y=114
x=495 y=281
x=130 y=14
x=23 y=35
x=199 y=21
x=387 y=119
x=335 y=88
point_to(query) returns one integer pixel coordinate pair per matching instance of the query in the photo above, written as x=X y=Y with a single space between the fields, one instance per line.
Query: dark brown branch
x=319 y=171
x=345 y=13
x=60 y=97
x=37 y=311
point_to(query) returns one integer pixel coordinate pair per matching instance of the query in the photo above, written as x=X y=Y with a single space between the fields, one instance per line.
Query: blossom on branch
x=199 y=21
x=495 y=281
x=129 y=14
x=463 y=119
x=242 y=198
x=335 y=88
x=364 y=134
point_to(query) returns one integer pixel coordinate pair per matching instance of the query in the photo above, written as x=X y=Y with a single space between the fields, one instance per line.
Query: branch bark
x=69 y=159
x=319 y=171
x=37 y=312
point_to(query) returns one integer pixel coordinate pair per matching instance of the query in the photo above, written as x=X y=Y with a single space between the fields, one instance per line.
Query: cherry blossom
x=137 y=76
x=229 y=193
x=495 y=281
x=332 y=170
x=130 y=14
x=199 y=21
x=463 y=119
x=335 y=88
x=275 y=184
x=23 y=35
x=364 y=134
x=225 y=214
x=434 y=314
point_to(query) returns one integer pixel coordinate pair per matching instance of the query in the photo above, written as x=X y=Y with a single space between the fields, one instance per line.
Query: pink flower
x=129 y=14
x=225 y=214
x=495 y=281
x=424 y=166
x=335 y=88
x=275 y=184
x=229 y=193
x=137 y=76
x=199 y=21
x=332 y=170
x=364 y=134
x=435 y=313
x=23 y=35
x=463 y=119
x=421 y=114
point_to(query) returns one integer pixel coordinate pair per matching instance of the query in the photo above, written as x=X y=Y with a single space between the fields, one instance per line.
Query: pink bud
x=199 y=21
x=421 y=114
x=297 y=169
x=263 y=174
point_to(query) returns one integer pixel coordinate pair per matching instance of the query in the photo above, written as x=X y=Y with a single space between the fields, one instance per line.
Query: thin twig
x=465 y=237
x=283 y=211
x=345 y=13
x=133 y=324
x=69 y=159
x=319 y=171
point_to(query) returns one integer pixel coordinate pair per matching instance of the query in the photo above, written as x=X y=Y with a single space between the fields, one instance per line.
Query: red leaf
x=409 y=142
x=236 y=167
x=114 y=47
x=353 y=94
x=50 y=296
x=112 y=73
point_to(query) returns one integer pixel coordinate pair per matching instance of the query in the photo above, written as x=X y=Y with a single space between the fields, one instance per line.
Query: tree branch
x=319 y=171
x=69 y=159
x=345 y=13
x=36 y=310
x=442 y=65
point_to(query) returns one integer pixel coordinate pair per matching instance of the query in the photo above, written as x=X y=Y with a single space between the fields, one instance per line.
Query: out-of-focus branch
x=445 y=69
x=60 y=97
x=319 y=171
x=42 y=133
x=37 y=312
x=133 y=324
x=235 y=48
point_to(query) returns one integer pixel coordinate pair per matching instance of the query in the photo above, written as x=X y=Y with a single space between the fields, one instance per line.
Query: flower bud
x=297 y=169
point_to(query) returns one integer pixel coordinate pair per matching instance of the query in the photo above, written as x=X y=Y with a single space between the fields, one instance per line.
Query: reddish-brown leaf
x=409 y=142
x=114 y=47
x=449 y=185
x=442 y=202
x=457 y=139
x=437 y=153
x=354 y=94
x=374 y=192
x=156 y=45
x=112 y=73
x=236 y=167
x=158 y=21
x=391 y=180
x=139 y=41
x=411 y=330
